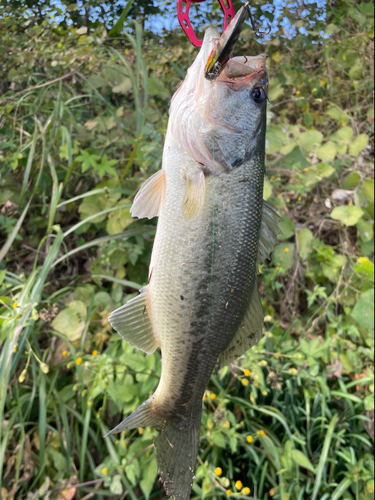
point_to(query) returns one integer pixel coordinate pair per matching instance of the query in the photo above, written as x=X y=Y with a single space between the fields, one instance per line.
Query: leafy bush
x=82 y=118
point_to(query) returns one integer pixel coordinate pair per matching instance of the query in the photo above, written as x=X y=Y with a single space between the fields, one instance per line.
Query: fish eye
x=259 y=95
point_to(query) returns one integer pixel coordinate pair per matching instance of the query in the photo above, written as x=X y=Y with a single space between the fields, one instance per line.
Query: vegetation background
x=84 y=96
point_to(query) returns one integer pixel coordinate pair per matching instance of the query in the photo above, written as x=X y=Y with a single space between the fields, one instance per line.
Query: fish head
x=221 y=123
x=236 y=111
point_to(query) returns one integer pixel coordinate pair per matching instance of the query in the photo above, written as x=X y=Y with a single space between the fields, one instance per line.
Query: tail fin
x=176 y=447
x=176 y=451
x=143 y=416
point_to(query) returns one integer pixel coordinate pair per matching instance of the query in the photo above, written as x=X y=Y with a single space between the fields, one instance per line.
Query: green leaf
x=116 y=485
x=324 y=170
x=344 y=135
x=368 y=186
x=358 y=145
x=351 y=180
x=275 y=89
x=309 y=141
x=2 y=275
x=369 y=402
x=71 y=321
x=365 y=229
x=365 y=268
x=327 y=152
x=304 y=238
x=338 y=114
x=219 y=440
x=267 y=190
x=97 y=81
x=296 y=159
x=273 y=143
x=284 y=256
x=156 y=87
x=123 y=87
x=287 y=227
x=119 y=220
x=301 y=459
x=149 y=476
x=364 y=309
x=348 y=214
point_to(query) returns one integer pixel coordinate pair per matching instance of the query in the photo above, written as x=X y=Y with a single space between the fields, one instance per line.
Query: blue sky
x=169 y=21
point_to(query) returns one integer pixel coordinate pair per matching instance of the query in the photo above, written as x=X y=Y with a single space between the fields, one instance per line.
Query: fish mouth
x=244 y=70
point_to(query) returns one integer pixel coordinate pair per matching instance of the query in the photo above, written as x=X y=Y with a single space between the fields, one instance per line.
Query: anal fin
x=149 y=198
x=195 y=195
x=248 y=334
x=132 y=322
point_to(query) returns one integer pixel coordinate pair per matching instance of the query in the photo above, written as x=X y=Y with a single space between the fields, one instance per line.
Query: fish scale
x=201 y=305
x=206 y=279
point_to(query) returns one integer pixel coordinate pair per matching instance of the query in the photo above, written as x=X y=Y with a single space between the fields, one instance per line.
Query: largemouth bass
x=201 y=305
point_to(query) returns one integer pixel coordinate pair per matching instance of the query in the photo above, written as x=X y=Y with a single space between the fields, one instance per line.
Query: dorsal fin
x=150 y=197
x=248 y=334
x=194 y=195
x=268 y=232
x=132 y=322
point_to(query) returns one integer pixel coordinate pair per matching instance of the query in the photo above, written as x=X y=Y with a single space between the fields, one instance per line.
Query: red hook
x=183 y=17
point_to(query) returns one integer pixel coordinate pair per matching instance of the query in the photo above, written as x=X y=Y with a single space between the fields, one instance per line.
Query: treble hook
x=258 y=33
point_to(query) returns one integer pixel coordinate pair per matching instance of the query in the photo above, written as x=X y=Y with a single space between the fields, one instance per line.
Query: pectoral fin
x=194 y=195
x=150 y=197
x=268 y=232
x=132 y=322
x=248 y=334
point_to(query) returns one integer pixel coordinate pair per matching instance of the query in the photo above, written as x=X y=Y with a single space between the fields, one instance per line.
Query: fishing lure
x=222 y=51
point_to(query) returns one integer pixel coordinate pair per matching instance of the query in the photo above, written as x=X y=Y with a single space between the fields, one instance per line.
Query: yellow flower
x=299 y=198
x=264 y=392
x=239 y=485
x=204 y=398
x=286 y=249
x=249 y=439
x=298 y=92
x=293 y=371
x=229 y=493
x=277 y=268
x=141 y=431
x=261 y=433
x=227 y=424
x=247 y=372
x=104 y=470
x=15 y=304
x=212 y=395
x=272 y=492
x=78 y=361
x=65 y=353
x=244 y=382
x=218 y=471
x=94 y=353
x=277 y=355
x=246 y=491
